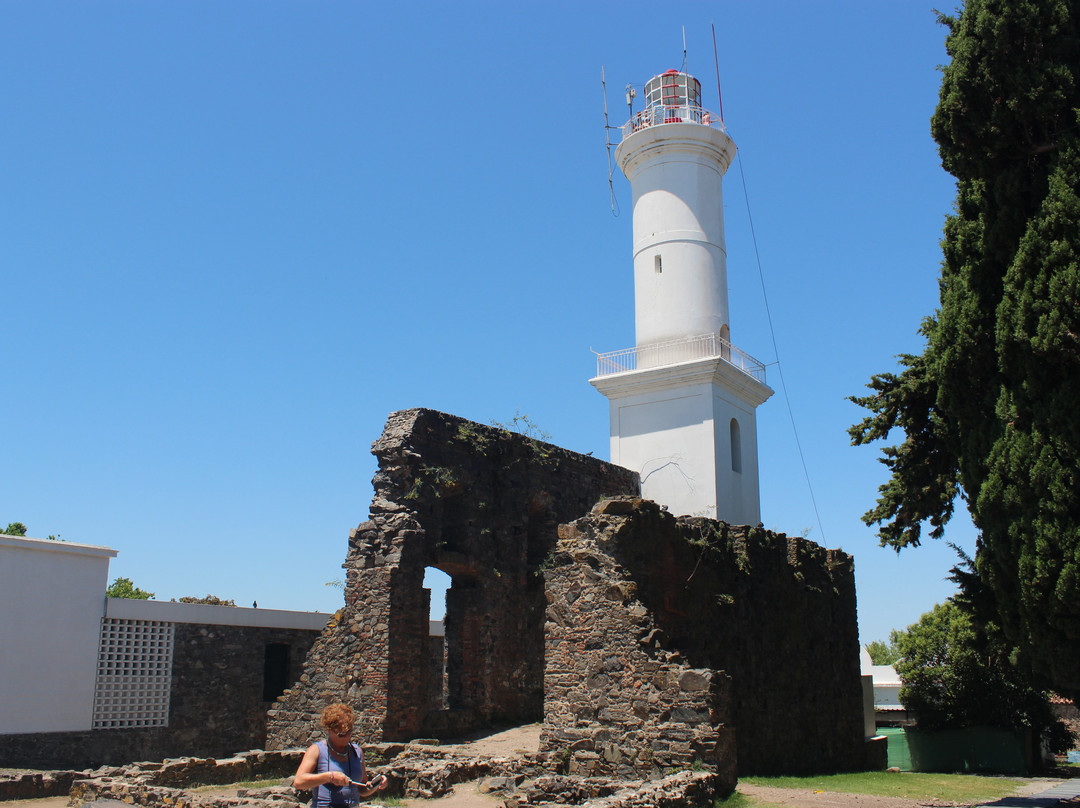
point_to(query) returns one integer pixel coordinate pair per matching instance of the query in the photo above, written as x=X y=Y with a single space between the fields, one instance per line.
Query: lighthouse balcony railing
x=661 y=114
x=705 y=346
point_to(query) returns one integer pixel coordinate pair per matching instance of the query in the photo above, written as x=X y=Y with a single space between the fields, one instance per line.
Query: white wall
x=666 y=438
x=52 y=598
x=173 y=612
x=676 y=177
x=672 y=425
x=886 y=681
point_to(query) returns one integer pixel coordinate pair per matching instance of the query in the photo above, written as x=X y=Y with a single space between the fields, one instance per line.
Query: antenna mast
x=716 y=59
x=607 y=143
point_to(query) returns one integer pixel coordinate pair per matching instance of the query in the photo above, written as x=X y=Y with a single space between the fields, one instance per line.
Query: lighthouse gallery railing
x=661 y=114
x=674 y=351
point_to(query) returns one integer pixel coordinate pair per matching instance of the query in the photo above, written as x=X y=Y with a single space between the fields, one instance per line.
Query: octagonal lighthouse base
x=690 y=430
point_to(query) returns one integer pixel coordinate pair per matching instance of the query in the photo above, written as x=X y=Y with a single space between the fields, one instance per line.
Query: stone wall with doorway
x=645 y=642
x=483 y=505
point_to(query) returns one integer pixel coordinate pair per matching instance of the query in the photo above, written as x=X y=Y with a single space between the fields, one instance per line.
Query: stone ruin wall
x=642 y=640
x=618 y=703
x=647 y=610
x=483 y=505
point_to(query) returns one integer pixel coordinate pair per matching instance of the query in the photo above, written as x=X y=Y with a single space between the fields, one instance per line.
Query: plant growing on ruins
x=548 y=562
x=436 y=477
x=537 y=437
x=522 y=424
x=475 y=437
x=562 y=761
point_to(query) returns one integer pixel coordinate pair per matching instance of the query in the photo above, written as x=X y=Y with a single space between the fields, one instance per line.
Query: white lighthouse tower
x=682 y=401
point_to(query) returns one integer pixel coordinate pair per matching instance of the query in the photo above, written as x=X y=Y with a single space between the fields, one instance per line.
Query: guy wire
x=776 y=352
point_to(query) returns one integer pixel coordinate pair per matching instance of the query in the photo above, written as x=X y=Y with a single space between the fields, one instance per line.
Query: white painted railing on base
x=672 y=352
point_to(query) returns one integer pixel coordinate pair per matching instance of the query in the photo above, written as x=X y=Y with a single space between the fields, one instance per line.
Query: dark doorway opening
x=275 y=670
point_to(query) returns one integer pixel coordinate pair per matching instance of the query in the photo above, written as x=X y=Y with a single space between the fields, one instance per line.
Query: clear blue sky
x=235 y=236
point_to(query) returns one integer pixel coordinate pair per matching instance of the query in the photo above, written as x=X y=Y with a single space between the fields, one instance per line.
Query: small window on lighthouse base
x=658 y=265
x=736 y=447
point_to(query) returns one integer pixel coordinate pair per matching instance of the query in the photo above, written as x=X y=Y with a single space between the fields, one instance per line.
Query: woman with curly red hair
x=334 y=768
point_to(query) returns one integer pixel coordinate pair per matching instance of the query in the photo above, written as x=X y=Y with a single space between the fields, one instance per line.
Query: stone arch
x=483 y=505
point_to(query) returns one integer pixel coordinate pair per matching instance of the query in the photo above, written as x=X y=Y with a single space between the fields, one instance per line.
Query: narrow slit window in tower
x=736 y=447
x=658 y=264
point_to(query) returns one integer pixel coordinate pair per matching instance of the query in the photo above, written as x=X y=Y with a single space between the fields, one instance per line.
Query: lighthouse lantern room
x=683 y=400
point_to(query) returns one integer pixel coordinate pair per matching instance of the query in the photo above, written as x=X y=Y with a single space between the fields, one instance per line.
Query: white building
x=683 y=400
x=52 y=597
x=886 y=684
x=75 y=662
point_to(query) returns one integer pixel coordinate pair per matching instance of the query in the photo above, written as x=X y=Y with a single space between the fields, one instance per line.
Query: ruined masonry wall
x=483 y=505
x=630 y=583
x=645 y=642
x=617 y=705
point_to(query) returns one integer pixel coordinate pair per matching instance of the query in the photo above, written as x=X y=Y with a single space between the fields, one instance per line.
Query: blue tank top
x=327 y=796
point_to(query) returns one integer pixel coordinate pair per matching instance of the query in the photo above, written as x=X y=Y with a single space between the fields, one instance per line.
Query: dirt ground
x=527 y=739
x=465 y=795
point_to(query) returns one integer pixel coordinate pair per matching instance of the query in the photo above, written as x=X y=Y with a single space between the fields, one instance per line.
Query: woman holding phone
x=334 y=768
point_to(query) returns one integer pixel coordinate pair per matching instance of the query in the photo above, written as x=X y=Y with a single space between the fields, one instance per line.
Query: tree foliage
x=207 y=600
x=987 y=410
x=124 y=588
x=957 y=674
x=19 y=529
x=884 y=653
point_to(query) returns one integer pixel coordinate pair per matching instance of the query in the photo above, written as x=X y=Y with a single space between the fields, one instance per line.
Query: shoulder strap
x=360 y=757
x=320 y=795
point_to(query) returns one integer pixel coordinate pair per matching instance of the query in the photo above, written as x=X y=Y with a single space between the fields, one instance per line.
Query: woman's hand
x=375 y=784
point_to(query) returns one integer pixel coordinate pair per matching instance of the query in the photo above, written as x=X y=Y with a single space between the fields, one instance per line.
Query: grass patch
x=388 y=801
x=962 y=788
x=268 y=782
x=735 y=800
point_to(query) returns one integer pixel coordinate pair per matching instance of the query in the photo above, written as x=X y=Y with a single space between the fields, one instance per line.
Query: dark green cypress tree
x=990 y=409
